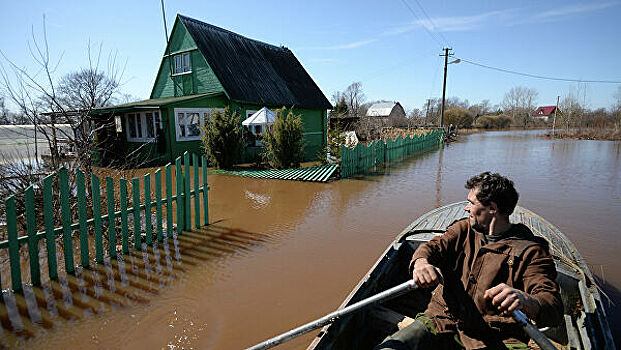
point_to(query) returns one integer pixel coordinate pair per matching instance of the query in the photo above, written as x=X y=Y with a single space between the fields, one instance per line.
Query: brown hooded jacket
x=470 y=267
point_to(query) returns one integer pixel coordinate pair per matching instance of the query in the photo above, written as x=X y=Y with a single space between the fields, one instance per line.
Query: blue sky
x=391 y=46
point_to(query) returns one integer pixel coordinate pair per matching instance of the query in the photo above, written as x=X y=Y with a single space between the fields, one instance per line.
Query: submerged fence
x=181 y=201
x=356 y=160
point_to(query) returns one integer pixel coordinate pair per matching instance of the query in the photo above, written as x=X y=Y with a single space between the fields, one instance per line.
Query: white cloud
x=347 y=46
x=575 y=9
x=452 y=24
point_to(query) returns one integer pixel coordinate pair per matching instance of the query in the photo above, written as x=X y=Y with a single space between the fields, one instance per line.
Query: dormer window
x=182 y=63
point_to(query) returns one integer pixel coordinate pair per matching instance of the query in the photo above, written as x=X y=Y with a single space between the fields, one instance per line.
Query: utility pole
x=446 y=56
x=555 y=110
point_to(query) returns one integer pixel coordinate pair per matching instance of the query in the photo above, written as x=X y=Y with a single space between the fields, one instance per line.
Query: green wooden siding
x=146 y=153
x=201 y=80
x=179 y=147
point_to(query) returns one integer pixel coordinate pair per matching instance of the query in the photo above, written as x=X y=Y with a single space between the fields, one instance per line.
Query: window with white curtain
x=142 y=126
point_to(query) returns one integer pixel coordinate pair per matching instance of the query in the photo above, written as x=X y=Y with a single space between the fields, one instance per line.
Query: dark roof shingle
x=253 y=71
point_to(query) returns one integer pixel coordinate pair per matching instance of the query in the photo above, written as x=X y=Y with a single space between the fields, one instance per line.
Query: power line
x=540 y=76
x=420 y=21
x=430 y=21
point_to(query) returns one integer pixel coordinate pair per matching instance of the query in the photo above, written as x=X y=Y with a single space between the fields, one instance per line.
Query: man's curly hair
x=494 y=188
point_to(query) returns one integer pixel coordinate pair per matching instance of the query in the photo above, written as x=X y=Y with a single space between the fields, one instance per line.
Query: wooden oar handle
x=376 y=299
x=532 y=331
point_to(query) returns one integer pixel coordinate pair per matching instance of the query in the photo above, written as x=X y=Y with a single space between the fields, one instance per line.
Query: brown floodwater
x=301 y=247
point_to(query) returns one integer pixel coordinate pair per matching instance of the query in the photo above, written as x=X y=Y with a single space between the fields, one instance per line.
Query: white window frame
x=183 y=69
x=143 y=125
x=202 y=113
x=250 y=112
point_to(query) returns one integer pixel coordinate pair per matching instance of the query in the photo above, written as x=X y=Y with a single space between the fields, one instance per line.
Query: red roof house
x=544 y=112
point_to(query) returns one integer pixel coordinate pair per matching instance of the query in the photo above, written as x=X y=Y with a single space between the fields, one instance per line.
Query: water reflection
x=127 y=280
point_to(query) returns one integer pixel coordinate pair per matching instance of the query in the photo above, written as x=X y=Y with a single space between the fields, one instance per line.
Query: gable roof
x=544 y=111
x=253 y=71
x=382 y=109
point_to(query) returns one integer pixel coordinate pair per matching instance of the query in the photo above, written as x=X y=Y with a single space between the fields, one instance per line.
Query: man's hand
x=426 y=275
x=508 y=299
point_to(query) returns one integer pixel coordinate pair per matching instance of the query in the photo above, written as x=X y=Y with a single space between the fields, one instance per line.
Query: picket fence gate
x=182 y=199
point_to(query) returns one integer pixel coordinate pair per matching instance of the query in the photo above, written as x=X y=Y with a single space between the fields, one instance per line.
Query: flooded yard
x=296 y=249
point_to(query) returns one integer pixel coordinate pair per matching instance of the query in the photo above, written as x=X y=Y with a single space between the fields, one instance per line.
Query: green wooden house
x=204 y=68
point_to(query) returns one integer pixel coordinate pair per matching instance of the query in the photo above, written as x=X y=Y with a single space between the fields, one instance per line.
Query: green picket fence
x=362 y=157
x=184 y=195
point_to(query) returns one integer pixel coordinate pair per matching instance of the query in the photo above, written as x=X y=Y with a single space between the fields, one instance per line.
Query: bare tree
x=616 y=110
x=354 y=98
x=46 y=101
x=571 y=110
x=4 y=112
x=482 y=108
x=519 y=103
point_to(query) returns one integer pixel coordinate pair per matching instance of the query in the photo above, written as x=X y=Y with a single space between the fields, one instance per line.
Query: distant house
x=389 y=110
x=544 y=113
x=205 y=68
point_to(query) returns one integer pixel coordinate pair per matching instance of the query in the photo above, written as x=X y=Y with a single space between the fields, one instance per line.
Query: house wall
x=179 y=147
x=140 y=154
x=146 y=154
x=315 y=128
x=201 y=80
x=397 y=112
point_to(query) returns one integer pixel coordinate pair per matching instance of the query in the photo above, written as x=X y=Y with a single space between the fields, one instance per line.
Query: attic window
x=182 y=63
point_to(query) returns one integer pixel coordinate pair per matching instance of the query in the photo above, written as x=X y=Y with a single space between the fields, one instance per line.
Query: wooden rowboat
x=585 y=326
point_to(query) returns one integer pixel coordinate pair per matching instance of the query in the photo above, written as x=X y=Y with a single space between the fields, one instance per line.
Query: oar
x=539 y=338
x=329 y=318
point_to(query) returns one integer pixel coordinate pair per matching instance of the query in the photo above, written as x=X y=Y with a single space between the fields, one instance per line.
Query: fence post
x=124 y=224
x=14 y=262
x=33 y=243
x=50 y=237
x=96 y=195
x=205 y=192
x=179 y=189
x=169 y=209
x=147 y=209
x=111 y=217
x=83 y=230
x=158 y=203
x=66 y=218
x=197 y=197
x=136 y=212
x=187 y=207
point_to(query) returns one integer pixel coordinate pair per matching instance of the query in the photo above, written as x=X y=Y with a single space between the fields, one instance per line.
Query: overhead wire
x=431 y=21
x=509 y=71
x=431 y=34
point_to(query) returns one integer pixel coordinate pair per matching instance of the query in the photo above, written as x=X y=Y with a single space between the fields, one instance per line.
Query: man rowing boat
x=482 y=268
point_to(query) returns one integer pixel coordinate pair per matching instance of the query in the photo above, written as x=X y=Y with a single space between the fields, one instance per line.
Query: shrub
x=336 y=138
x=223 y=138
x=459 y=117
x=493 y=122
x=284 y=147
